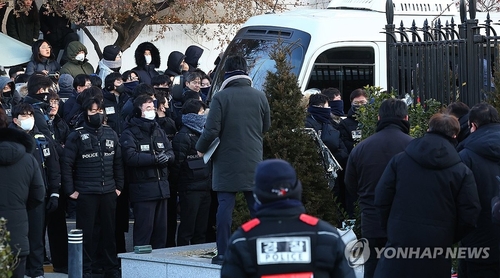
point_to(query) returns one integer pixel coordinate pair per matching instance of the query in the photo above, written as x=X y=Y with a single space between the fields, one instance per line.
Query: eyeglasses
x=359 y=102
x=54 y=102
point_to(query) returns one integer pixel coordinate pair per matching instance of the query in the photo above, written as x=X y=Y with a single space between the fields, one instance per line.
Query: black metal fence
x=446 y=61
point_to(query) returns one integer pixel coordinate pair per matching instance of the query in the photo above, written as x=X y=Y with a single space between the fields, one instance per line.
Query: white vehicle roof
x=354 y=25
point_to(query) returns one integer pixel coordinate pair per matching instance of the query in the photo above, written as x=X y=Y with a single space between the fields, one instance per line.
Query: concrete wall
x=178 y=38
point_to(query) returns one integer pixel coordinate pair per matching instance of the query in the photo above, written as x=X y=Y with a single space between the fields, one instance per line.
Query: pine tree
x=284 y=139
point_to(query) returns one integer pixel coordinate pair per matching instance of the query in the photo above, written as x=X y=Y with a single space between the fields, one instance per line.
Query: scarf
x=280 y=204
x=234 y=73
x=320 y=114
x=194 y=121
x=403 y=125
x=337 y=107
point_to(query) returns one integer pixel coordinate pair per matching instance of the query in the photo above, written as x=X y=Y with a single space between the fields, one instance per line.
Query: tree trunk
x=128 y=32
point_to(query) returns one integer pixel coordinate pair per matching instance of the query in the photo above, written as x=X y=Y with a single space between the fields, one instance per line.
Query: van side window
x=345 y=68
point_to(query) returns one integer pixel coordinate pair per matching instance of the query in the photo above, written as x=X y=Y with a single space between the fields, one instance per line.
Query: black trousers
x=471 y=269
x=97 y=211
x=172 y=216
x=20 y=269
x=57 y=232
x=371 y=264
x=34 y=261
x=150 y=223
x=195 y=208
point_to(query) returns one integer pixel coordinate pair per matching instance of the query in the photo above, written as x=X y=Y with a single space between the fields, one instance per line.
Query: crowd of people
x=103 y=144
x=110 y=146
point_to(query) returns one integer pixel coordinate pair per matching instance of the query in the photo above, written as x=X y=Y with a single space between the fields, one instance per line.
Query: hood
x=66 y=82
x=174 y=63
x=485 y=142
x=142 y=124
x=433 y=151
x=193 y=54
x=4 y=81
x=73 y=49
x=14 y=144
x=35 y=48
x=140 y=61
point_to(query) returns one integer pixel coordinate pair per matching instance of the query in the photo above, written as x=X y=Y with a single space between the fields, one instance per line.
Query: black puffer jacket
x=21 y=187
x=38 y=63
x=23 y=27
x=279 y=225
x=365 y=166
x=346 y=127
x=92 y=162
x=426 y=198
x=147 y=72
x=190 y=172
x=481 y=154
x=113 y=108
x=141 y=141
x=331 y=137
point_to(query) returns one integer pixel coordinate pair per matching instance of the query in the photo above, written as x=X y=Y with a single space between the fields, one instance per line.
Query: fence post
x=75 y=253
x=389 y=29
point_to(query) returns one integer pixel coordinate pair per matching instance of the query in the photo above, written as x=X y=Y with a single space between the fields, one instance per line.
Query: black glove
x=161 y=158
x=52 y=204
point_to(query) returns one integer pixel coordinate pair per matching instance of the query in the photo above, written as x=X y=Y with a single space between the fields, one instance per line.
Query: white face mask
x=148 y=59
x=80 y=57
x=27 y=124
x=150 y=115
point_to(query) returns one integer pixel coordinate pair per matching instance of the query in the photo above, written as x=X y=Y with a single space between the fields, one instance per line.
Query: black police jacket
x=141 y=141
x=285 y=241
x=189 y=172
x=92 y=161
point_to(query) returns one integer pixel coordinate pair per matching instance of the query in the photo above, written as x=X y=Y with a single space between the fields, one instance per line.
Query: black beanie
x=110 y=52
x=275 y=179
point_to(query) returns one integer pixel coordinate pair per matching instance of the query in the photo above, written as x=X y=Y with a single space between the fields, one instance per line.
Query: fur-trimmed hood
x=140 y=61
x=14 y=144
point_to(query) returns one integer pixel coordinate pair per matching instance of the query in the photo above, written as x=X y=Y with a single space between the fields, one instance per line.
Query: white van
x=342 y=46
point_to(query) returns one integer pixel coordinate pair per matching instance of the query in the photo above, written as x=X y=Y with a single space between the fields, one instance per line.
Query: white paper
x=211 y=150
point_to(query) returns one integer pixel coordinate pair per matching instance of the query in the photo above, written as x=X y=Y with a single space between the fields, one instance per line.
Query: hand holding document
x=211 y=149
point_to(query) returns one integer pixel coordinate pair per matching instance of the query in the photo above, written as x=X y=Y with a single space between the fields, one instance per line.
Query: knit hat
x=276 y=179
x=65 y=82
x=110 y=52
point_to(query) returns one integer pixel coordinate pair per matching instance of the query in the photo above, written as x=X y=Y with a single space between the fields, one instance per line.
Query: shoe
x=63 y=269
x=38 y=277
x=219 y=259
x=46 y=261
x=87 y=275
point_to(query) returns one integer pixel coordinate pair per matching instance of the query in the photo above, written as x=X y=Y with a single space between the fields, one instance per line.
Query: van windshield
x=256 y=46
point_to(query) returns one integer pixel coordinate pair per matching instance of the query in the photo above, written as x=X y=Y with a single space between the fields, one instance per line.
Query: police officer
x=283 y=241
x=92 y=174
x=147 y=153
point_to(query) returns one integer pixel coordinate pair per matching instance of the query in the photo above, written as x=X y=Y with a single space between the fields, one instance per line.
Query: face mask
x=150 y=115
x=120 y=89
x=96 y=120
x=80 y=57
x=205 y=90
x=27 y=124
x=131 y=85
x=148 y=59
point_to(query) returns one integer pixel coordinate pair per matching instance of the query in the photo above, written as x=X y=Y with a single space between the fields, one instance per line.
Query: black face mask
x=120 y=89
x=42 y=97
x=95 y=120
